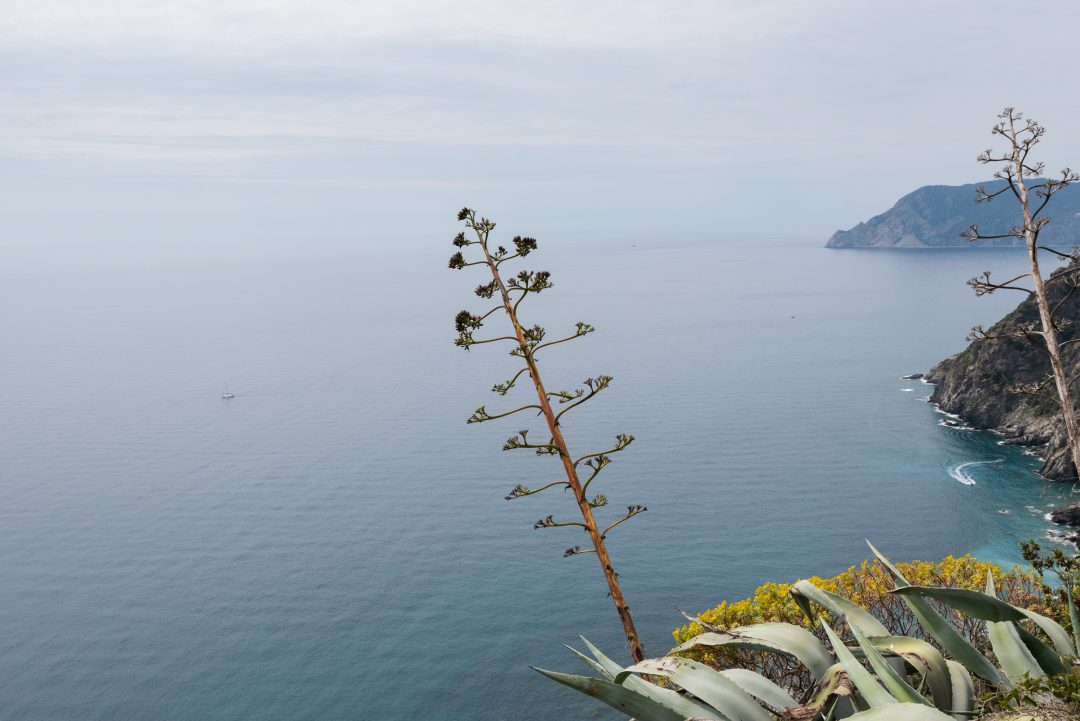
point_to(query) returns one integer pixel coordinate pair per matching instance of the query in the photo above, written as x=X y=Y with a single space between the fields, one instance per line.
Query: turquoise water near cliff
x=333 y=542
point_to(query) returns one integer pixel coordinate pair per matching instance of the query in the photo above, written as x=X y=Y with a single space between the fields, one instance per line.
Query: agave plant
x=874 y=677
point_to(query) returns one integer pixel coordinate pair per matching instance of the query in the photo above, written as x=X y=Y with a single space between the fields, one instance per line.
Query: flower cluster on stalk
x=526 y=341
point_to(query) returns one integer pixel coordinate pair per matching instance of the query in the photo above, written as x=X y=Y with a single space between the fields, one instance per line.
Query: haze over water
x=333 y=542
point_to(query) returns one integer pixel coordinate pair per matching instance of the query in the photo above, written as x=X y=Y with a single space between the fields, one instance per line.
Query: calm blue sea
x=333 y=542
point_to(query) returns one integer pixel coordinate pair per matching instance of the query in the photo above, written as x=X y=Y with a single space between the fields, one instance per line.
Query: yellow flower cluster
x=868 y=585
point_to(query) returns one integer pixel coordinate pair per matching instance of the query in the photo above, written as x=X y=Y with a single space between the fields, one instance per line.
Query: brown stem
x=1049 y=332
x=637 y=651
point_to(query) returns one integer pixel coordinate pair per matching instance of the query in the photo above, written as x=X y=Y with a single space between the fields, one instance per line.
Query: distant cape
x=934 y=216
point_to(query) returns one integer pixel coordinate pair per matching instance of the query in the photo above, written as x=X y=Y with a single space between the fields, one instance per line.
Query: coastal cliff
x=974 y=384
x=934 y=216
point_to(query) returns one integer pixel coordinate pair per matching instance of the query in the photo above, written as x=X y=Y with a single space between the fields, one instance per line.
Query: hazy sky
x=342 y=121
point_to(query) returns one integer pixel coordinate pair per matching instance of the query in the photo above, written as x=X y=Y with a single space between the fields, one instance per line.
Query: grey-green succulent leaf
x=972 y=603
x=609 y=665
x=834 y=682
x=898 y=578
x=1058 y=636
x=925 y=659
x=1074 y=617
x=868 y=687
x=894 y=682
x=594 y=665
x=804 y=591
x=760 y=687
x=942 y=631
x=963 y=691
x=901 y=712
x=1048 y=658
x=627 y=700
x=1011 y=652
x=782 y=638
x=664 y=696
x=706 y=684
x=990 y=608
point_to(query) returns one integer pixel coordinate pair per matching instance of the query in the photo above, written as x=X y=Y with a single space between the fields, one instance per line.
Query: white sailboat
x=225 y=393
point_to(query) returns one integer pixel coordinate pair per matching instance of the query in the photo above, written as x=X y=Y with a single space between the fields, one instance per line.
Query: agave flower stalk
x=527 y=341
x=1032 y=194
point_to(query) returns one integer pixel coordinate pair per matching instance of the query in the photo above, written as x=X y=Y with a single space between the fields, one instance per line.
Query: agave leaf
x=611 y=669
x=963 y=691
x=988 y=608
x=775 y=637
x=1074 y=617
x=594 y=665
x=804 y=591
x=898 y=578
x=760 y=687
x=894 y=682
x=609 y=665
x=901 y=712
x=622 y=698
x=834 y=682
x=706 y=684
x=1053 y=630
x=663 y=696
x=1047 y=658
x=925 y=659
x=1014 y=656
x=972 y=603
x=1015 y=659
x=868 y=686
x=950 y=639
x=942 y=631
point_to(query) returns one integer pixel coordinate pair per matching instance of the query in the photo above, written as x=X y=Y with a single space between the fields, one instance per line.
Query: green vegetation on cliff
x=1000 y=383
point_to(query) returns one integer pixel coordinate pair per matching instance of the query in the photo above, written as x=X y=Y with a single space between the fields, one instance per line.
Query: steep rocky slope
x=934 y=216
x=974 y=384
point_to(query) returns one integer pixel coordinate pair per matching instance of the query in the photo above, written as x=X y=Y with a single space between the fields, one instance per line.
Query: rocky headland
x=979 y=385
x=934 y=216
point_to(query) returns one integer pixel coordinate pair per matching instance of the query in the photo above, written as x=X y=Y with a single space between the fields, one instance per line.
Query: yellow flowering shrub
x=868 y=585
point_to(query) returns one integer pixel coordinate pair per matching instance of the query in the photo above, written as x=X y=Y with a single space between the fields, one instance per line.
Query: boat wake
x=959 y=472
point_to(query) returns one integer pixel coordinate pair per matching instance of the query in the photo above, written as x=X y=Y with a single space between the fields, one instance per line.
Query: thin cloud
x=714 y=109
x=254 y=26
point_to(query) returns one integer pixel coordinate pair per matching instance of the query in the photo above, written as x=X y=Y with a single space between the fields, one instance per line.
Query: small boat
x=225 y=393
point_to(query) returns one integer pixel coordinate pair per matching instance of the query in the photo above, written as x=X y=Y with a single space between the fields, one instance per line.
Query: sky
x=246 y=123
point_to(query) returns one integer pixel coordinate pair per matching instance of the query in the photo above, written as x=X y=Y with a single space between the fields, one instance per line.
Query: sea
x=333 y=542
